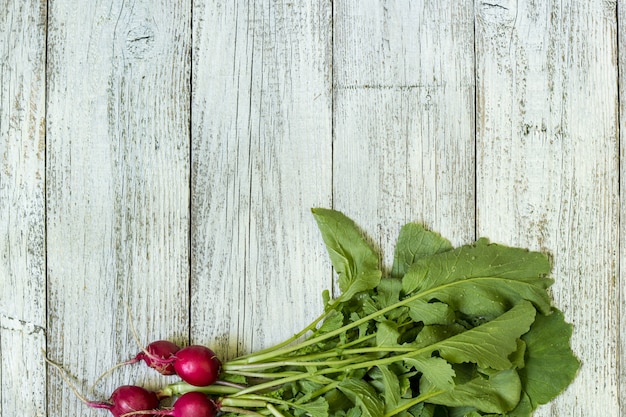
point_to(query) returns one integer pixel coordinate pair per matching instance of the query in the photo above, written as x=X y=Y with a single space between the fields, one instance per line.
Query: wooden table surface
x=165 y=155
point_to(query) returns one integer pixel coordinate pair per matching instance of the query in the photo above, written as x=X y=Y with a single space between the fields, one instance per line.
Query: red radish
x=128 y=399
x=191 y=404
x=125 y=400
x=197 y=365
x=158 y=355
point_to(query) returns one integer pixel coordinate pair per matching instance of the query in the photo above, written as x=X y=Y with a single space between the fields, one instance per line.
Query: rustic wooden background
x=165 y=154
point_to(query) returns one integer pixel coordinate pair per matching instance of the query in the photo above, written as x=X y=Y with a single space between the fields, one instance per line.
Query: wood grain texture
x=547 y=167
x=117 y=187
x=261 y=160
x=404 y=117
x=621 y=278
x=22 y=208
x=165 y=155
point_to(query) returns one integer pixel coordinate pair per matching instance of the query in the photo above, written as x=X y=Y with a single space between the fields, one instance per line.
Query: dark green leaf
x=490 y=344
x=435 y=333
x=317 y=408
x=482 y=279
x=415 y=242
x=390 y=387
x=498 y=393
x=437 y=370
x=550 y=363
x=524 y=408
x=364 y=396
x=354 y=260
x=387 y=334
x=354 y=412
x=388 y=291
x=430 y=313
x=333 y=322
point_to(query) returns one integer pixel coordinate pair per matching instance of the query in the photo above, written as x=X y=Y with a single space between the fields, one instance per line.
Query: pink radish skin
x=159 y=356
x=127 y=399
x=191 y=404
x=197 y=365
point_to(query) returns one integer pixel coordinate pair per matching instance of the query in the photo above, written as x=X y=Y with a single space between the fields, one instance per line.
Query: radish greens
x=467 y=331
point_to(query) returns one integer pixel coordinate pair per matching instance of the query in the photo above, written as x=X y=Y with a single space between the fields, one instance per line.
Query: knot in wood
x=497 y=11
x=140 y=40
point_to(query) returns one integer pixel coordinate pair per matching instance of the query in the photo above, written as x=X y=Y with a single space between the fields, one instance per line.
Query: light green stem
x=296 y=336
x=266 y=375
x=240 y=411
x=274 y=411
x=294 y=361
x=256 y=402
x=179 y=388
x=274 y=352
x=366 y=364
x=415 y=401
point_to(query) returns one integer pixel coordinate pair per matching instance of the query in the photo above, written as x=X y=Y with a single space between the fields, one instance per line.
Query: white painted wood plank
x=22 y=208
x=621 y=308
x=261 y=160
x=404 y=117
x=547 y=167
x=118 y=187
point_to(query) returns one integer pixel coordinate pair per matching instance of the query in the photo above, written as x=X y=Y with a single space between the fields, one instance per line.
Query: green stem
x=273 y=352
x=349 y=367
x=265 y=375
x=415 y=401
x=259 y=401
x=274 y=411
x=179 y=388
x=294 y=361
x=318 y=393
x=329 y=354
x=296 y=336
x=240 y=411
x=248 y=402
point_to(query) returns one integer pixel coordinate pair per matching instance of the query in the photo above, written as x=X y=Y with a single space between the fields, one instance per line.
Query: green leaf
x=415 y=242
x=333 y=322
x=354 y=260
x=489 y=345
x=237 y=379
x=430 y=313
x=524 y=408
x=317 y=408
x=354 y=412
x=497 y=393
x=390 y=384
x=388 y=291
x=550 y=363
x=437 y=370
x=364 y=280
x=517 y=357
x=435 y=333
x=423 y=410
x=482 y=279
x=387 y=334
x=364 y=396
x=337 y=400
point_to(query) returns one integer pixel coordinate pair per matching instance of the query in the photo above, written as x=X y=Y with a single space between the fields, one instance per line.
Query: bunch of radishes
x=196 y=365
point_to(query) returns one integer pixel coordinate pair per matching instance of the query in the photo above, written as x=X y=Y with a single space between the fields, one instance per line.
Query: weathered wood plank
x=118 y=186
x=621 y=287
x=261 y=159
x=22 y=208
x=548 y=166
x=404 y=117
